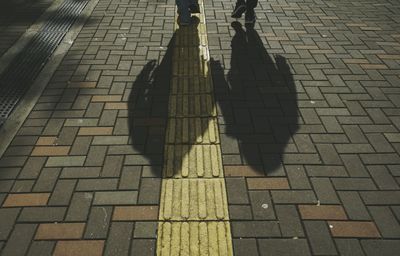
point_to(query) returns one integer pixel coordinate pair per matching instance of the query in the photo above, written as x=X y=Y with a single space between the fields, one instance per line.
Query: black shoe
x=194 y=8
x=250 y=17
x=240 y=8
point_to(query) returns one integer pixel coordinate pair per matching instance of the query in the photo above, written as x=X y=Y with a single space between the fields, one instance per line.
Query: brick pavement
x=308 y=118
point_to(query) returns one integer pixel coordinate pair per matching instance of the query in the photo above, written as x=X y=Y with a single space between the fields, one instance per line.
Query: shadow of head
x=257 y=100
x=174 y=93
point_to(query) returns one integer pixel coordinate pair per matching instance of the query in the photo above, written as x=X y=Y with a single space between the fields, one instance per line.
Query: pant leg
x=183 y=9
x=251 y=4
x=183 y=6
x=193 y=2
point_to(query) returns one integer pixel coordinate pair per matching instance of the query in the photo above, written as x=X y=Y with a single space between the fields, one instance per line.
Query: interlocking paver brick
x=7 y=219
x=267 y=183
x=255 y=229
x=240 y=170
x=27 y=199
x=283 y=247
x=42 y=214
x=261 y=205
x=130 y=177
x=44 y=248
x=247 y=246
x=95 y=131
x=59 y=231
x=79 y=248
x=19 y=240
x=324 y=212
x=149 y=191
x=353 y=229
x=145 y=230
x=146 y=247
x=324 y=190
x=79 y=207
x=64 y=161
x=347 y=247
x=319 y=237
x=119 y=239
x=115 y=198
x=32 y=168
x=135 y=213
x=98 y=223
x=385 y=220
x=380 y=247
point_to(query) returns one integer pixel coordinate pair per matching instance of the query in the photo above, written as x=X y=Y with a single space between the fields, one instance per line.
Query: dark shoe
x=250 y=17
x=240 y=8
x=194 y=8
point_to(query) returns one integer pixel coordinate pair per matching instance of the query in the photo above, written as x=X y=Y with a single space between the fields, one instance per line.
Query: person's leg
x=183 y=11
x=194 y=6
x=239 y=9
x=250 y=16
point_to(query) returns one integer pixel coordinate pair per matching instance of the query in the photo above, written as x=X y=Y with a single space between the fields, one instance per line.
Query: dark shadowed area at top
x=257 y=100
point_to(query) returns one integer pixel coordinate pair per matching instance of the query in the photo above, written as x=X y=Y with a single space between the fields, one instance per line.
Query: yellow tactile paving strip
x=193 y=216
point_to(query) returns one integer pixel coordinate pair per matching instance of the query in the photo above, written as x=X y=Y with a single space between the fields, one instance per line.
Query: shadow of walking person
x=148 y=111
x=257 y=100
x=176 y=94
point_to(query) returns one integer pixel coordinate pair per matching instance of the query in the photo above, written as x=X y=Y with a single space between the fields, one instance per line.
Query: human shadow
x=175 y=94
x=257 y=101
x=148 y=109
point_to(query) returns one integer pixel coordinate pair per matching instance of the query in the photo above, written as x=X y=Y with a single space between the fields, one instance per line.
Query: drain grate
x=22 y=71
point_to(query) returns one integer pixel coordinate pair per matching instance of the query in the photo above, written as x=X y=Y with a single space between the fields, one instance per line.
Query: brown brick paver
x=50 y=151
x=267 y=183
x=60 y=231
x=79 y=248
x=28 y=199
x=322 y=212
x=353 y=229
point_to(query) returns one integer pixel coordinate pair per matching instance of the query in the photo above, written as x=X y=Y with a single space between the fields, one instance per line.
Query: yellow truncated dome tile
x=193 y=199
x=189 y=161
x=194 y=238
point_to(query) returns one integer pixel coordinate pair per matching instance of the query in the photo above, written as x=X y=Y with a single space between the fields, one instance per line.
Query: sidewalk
x=217 y=139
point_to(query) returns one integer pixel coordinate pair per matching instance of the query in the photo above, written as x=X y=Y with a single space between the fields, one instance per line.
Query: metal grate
x=22 y=71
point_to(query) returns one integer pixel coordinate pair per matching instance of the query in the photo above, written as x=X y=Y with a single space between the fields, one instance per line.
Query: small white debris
x=265 y=206
x=312 y=102
x=318 y=203
x=330 y=226
x=324 y=36
x=70 y=41
x=295 y=238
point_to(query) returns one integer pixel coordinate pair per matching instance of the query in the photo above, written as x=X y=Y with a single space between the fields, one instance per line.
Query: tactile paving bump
x=199 y=105
x=210 y=238
x=193 y=199
x=191 y=85
x=192 y=131
x=192 y=161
